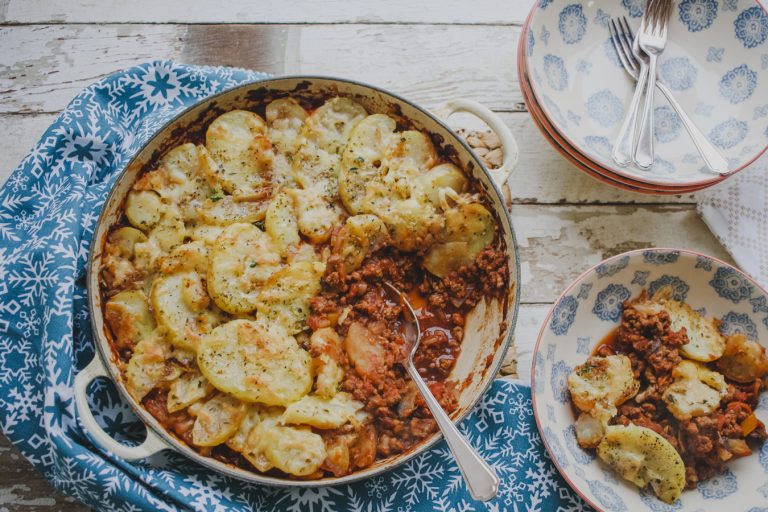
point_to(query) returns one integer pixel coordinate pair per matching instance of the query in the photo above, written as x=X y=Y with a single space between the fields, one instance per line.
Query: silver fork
x=624 y=146
x=652 y=39
x=625 y=44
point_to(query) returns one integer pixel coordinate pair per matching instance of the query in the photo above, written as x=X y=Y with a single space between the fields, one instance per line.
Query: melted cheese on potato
x=241 y=261
x=705 y=343
x=217 y=420
x=322 y=412
x=180 y=305
x=644 y=458
x=240 y=154
x=284 y=298
x=128 y=315
x=696 y=391
x=602 y=381
x=255 y=363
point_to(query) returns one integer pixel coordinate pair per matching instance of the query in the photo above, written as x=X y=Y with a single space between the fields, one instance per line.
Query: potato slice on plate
x=217 y=420
x=240 y=154
x=705 y=341
x=743 y=360
x=240 y=262
x=644 y=458
x=697 y=391
x=602 y=381
x=255 y=363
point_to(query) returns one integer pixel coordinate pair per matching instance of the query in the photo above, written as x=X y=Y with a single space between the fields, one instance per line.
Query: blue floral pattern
x=752 y=27
x=697 y=14
x=678 y=73
x=728 y=133
x=703 y=263
x=531 y=42
x=666 y=124
x=554 y=69
x=555 y=448
x=559 y=381
x=715 y=54
x=660 y=258
x=600 y=145
x=572 y=24
x=605 y=108
x=719 y=486
x=609 y=302
x=607 y=496
x=738 y=84
x=731 y=285
x=678 y=286
x=563 y=315
x=732 y=323
x=612 y=267
x=635 y=8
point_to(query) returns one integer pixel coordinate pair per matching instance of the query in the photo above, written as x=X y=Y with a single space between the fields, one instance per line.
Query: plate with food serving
x=239 y=270
x=649 y=380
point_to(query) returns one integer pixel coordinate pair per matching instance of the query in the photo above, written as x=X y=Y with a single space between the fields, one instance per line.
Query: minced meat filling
x=705 y=443
x=401 y=418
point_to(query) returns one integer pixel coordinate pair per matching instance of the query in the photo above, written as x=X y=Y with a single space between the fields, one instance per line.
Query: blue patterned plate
x=587 y=311
x=716 y=63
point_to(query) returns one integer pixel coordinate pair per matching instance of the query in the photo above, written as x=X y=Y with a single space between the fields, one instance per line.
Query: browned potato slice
x=129 y=318
x=217 y=420
x=743 y=360
x=366 y=351
x=696 y=391
x=240 y=154
x=644 y=458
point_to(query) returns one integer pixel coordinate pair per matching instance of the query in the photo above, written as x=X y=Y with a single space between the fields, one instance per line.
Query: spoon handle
x=481 y=479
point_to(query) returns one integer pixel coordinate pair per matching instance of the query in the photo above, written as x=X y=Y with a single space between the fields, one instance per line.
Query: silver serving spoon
x=481 y=479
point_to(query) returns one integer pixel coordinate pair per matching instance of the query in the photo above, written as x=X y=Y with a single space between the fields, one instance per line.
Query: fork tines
x=657 y=12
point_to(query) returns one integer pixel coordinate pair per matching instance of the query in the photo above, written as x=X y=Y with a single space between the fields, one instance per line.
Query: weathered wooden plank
x=542 y=175
x=284 y=11
x=43 y=67
x=22 y=488
x=557 y=243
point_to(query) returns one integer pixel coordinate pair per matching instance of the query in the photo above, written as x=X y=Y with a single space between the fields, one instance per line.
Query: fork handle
x=481 y=479
x=708 y=152
x=644 y=147
x=622 y=149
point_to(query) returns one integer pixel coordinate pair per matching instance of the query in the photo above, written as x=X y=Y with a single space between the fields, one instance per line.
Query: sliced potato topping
x=281 y=223
x=241 y=261
x=148 y=366
x=284 y=298
x=186 y=390
x=696 y=391
x=644 y=458
x=294 y=450
x=179 y=302
x=240 y=154
x=327 y=350
x=217 y=420
x=255 y=363
x=128 y=315
x=321 y=412
x=468 y=229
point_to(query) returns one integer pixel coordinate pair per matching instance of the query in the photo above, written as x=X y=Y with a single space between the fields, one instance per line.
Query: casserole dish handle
x=508 y=143
x=151 y=445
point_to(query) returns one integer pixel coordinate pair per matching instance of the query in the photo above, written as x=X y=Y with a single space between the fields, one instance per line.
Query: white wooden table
x=430 y=51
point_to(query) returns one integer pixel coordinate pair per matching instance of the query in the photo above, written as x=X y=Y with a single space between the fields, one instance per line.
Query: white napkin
x=736 y=211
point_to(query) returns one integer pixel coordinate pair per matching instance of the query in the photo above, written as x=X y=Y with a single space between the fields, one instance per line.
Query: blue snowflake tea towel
x=48 y=209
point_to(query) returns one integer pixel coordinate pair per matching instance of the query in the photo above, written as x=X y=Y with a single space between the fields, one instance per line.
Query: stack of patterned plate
x=715 y=63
